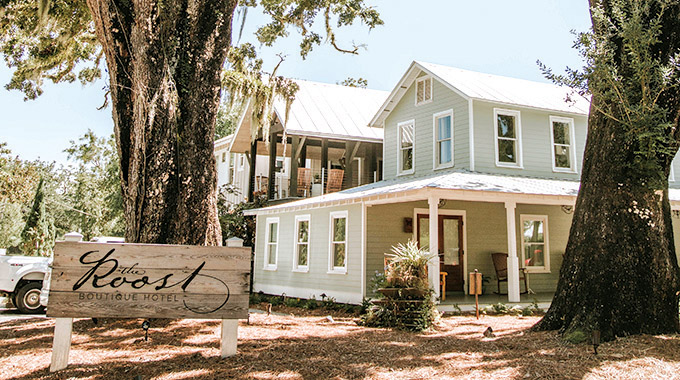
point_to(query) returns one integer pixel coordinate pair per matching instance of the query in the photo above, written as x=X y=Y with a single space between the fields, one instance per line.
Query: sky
x=492 y=36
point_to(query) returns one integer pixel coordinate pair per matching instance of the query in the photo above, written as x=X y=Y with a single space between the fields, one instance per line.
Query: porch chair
x=334 y=180
x=304 y=184
x=500 y=264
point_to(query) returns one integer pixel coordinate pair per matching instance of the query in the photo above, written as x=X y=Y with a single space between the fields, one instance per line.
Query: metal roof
x=457 y=181
x=332 y=111
x=491 y=88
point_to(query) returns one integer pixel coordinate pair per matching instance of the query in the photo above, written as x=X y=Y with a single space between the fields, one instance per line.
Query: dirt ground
x=311 y=347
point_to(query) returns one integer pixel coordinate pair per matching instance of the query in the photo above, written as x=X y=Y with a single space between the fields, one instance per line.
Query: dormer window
x=508 y=133
x=423 y=90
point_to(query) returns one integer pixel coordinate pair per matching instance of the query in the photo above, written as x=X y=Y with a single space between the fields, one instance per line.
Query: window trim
x=298 y=219
x=546 y=242
x=422 y=80
x=519 y=164
x=274 y=266
x=435 y=136
x=400 y=172
x=331 y=268
x=241 y=162
x=572 y=148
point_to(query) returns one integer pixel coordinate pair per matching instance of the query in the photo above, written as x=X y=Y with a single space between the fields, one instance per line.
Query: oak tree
x=620 y=272
x=164 y=61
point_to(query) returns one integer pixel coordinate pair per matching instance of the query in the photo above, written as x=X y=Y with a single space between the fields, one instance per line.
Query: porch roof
x=481 y=184
x=466 y=185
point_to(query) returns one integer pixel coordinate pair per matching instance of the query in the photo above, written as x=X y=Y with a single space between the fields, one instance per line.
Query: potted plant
x=406 y=271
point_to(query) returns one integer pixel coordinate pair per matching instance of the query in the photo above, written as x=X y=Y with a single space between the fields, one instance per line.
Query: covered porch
x=466 y=302
x=473 y=225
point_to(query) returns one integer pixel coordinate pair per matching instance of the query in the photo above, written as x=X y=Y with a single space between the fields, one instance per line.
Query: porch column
x=324 y=164
x=292 y=189
x=513 y=263
x=433 y=265
x=272 y=164
x=251 y=171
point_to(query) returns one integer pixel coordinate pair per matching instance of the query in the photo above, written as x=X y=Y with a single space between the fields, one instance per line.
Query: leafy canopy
x=632 y=69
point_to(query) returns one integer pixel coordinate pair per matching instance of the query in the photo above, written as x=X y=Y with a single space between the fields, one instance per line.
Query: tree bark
x=620 y=272
x=164 y=60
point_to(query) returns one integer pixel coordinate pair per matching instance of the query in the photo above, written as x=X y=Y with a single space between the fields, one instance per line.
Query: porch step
x=467 y=307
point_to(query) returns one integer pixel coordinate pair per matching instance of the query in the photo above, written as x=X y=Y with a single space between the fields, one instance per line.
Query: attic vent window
x=423 y=90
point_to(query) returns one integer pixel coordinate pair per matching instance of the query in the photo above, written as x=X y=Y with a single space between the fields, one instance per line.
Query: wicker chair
x=334 y=180
x=304 y=183
x=500 y=264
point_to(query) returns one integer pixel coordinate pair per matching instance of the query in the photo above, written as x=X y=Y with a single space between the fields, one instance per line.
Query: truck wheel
x=28 y=298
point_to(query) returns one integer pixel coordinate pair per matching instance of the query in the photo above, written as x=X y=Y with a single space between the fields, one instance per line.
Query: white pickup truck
x=21 y=278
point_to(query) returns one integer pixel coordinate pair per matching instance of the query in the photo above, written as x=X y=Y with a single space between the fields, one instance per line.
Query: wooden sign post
x=147 y=281
x=476 y=288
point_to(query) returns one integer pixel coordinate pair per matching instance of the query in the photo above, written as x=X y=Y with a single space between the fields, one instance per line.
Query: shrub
x=407 y=266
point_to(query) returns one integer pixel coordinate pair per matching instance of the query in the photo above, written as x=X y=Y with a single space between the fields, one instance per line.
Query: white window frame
x=296 y=244
x=572 y=142
x=546 y=239
x=331 y=268
x=518 y=137
x=412 y=123
x=231 y=168
x=267 y=265
x=420 y=80
x=241 y=163
x=435 y=140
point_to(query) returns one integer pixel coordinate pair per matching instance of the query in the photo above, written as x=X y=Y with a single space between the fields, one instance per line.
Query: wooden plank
x=61 y=343
x=68 y=254
x=149 y=281
x=150 y=305
x=229 y=337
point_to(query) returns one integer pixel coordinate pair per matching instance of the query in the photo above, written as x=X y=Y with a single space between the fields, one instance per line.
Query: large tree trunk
x=620 y=272
x=164 y=60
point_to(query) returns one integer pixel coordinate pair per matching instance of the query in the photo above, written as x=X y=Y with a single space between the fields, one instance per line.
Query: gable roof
x=324 y=111
x=490 y=88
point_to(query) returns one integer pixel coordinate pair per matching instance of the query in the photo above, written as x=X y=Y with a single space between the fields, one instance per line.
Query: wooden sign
x=149 y=281
x=475 y=283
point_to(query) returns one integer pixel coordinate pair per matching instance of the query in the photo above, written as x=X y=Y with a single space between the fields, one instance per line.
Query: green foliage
x=407 y=266
x=37 y=238
x=246 y=82
x=352 y=82
x=500 y=308
x=232 y=220
x=378 y=281
x=51 y=40
x=410 y=315
x=92 y=196
x=227 y=118
x=303 y=15
x=532 y=309
x=575 y=337
x=633 y=75
x=10 y=224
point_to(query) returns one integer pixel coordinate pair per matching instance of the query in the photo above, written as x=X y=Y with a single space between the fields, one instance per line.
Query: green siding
x=443 y=99
x=486 y=233
x=536 y=145
x=343 y=287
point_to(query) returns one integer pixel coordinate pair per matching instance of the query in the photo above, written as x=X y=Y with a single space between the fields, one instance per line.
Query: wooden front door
x=450 y=247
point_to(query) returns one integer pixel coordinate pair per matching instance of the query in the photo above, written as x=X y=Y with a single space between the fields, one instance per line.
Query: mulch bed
x=311 y=347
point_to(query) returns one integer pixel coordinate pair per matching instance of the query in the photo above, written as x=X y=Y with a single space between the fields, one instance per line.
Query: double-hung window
x=562 y=139
x=406 y=142
x=230 y=172
x=301 y=249
x=535 y=252
x=443 y=139
x=338 y=242
x=423 y=90
x=508 y=134
x=271 y=243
